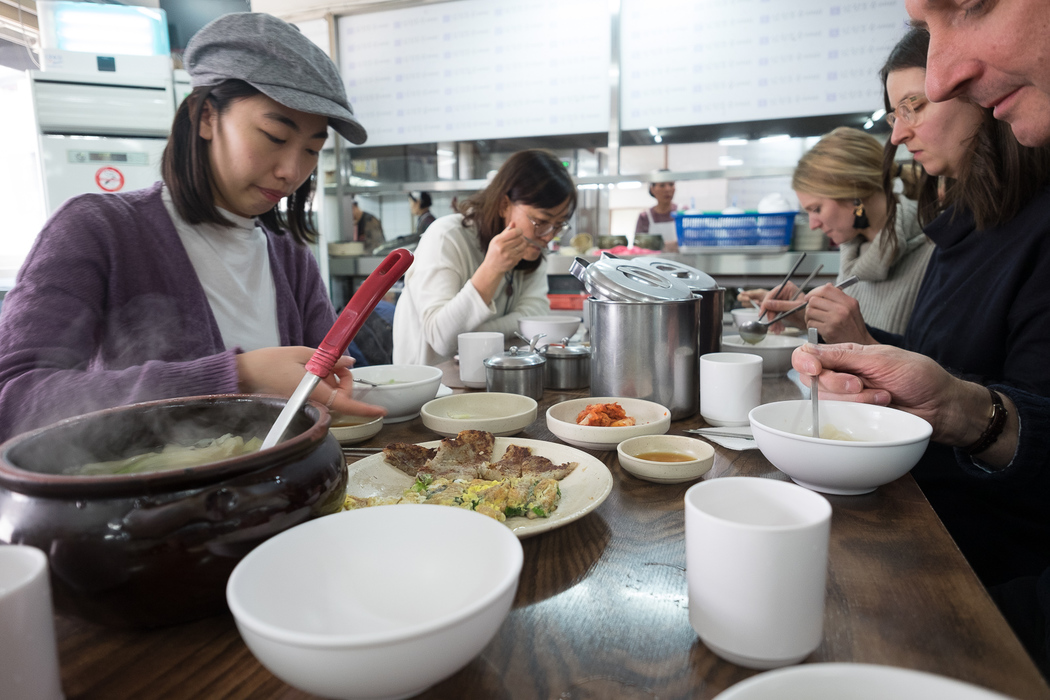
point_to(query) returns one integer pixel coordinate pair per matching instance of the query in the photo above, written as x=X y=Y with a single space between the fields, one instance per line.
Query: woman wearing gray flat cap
x=199 y=284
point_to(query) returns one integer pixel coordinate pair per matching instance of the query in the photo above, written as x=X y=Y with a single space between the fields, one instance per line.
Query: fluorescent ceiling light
x=653 y=130
x=629 y=185
x=732 y=142
x=878 y=114
x=776 y=137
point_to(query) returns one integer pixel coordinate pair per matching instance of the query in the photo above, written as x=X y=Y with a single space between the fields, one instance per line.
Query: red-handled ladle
x=338 y=338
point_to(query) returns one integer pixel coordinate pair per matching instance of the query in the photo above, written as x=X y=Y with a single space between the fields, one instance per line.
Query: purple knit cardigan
x=107 y=310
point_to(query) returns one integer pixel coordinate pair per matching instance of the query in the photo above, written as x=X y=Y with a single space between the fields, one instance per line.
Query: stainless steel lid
x=614 y=279
x=696 y=279
x=512 y=359
x=567 y=351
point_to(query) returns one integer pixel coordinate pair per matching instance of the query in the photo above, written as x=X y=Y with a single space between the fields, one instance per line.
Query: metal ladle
x=754 y=331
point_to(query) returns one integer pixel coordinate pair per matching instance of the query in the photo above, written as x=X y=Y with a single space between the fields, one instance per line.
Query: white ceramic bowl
x=629 y=452
x=556 y=327
x=885 y=444
x=352 y=606
x=775 y=351
x=403 y=391
x=498 y=413
x=352 y=429
x=650 y=419
x=743 y=315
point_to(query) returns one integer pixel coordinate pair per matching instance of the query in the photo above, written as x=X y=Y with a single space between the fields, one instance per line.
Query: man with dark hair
x=367 y=228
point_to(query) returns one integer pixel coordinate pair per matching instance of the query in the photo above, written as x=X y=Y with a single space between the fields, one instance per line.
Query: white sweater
x=888 y=287
x=439 y=301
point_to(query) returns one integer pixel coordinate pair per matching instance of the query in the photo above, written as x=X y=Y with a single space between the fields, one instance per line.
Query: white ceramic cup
x=28 y=653
x=730 y=386
x=756 y=553
x=474 y=349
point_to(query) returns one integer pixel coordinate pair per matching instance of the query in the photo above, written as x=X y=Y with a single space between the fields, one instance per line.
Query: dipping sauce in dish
x=665 y=456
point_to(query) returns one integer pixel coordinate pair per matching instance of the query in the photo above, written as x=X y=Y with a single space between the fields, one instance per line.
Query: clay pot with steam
x=156 y=548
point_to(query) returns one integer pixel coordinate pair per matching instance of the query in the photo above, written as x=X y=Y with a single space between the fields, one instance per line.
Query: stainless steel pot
x=516 y=372
x=568 y=366
x=647 y=350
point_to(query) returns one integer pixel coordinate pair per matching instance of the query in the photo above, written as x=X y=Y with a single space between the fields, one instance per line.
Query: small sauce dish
x=666 y=459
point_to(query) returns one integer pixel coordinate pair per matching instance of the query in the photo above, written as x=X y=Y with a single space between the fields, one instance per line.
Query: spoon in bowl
x=814 y=338
x=754 y=331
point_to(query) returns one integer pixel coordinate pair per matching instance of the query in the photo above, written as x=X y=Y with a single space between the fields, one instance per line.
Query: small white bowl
x=775 y=351
x=495 y=412
x=629 y=451
x=356 y=605
x=743 y=315
x=556 y=327
x=402 y=390
x=353 y=429
x=650 y=419
x=885 y=444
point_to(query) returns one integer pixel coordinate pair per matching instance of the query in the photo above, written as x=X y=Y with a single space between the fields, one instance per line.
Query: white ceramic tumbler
x=756 y=564
x=474 y=348
x=730 y=386
x=28 y=653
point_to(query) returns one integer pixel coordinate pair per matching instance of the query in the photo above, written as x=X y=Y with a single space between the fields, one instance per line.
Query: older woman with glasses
x=483 y=268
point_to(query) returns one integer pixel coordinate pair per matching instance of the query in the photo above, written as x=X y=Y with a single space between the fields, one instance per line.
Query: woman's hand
x=836 y=315
x=777 y=301
x=279 y=371
x=505 y=251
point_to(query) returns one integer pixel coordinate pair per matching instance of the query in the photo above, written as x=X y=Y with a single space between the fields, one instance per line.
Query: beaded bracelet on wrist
x=996 y=423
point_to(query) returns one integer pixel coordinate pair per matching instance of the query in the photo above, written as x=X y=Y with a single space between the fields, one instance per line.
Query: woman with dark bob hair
x=483 y=268
x=200 y=284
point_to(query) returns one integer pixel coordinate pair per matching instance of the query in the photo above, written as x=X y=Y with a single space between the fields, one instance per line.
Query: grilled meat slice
x=461 y=457
x=509 y=465
x=407 y=457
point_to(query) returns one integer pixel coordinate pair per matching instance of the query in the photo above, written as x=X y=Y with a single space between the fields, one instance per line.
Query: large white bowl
x=885 y=444
x=775 y=351
x=556 y=327
x=359 y=605
x=650 y=419
x=630 y=453
x=495 y=412
x=413 y=386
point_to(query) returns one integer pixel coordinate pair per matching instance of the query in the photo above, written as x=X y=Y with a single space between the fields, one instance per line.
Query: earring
x=860 y=217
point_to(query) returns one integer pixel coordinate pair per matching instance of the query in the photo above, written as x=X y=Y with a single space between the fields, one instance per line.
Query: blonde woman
x=839 y=184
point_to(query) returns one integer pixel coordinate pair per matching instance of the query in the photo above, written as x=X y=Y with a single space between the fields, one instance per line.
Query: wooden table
x=601 y=609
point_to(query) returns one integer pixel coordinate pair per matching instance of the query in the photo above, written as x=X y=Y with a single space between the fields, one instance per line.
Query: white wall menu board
x=478 y=69
x=687 y=62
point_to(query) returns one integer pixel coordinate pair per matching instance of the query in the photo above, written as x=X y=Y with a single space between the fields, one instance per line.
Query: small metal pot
x=516 y=373
x=568 y=366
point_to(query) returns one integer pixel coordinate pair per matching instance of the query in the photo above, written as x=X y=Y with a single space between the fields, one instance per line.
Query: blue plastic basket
x=735 y=230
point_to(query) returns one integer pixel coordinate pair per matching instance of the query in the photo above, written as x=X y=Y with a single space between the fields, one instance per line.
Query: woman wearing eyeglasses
x=482 y=269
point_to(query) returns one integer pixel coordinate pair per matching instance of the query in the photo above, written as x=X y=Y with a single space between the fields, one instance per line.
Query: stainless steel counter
x=718 y=265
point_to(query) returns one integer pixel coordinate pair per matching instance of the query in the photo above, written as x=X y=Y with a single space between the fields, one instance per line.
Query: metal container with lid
x=615 y=279
x=568 y=366
x=516 y=372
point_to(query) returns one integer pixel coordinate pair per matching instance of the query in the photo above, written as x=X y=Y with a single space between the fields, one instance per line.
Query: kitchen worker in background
x=997 y=54
x=659 y=220
x=201 y=283
x=483 y=269
x=367 y=228
x=421 y=210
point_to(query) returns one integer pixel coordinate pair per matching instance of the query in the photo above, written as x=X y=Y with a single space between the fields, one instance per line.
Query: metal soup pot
x=157 y=548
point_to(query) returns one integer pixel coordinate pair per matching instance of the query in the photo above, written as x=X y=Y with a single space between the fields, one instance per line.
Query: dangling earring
x=860 y=217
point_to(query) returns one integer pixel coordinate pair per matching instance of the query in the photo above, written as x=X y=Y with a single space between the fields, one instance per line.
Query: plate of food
x=531 y=485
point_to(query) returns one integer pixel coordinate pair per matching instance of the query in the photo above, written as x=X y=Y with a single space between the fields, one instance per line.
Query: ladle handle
x=357 y=310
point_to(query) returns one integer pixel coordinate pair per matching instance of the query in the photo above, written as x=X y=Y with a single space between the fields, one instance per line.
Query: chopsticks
x=353 y=451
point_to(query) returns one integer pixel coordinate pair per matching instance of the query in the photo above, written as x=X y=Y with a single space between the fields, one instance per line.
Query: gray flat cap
x=276 y=59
